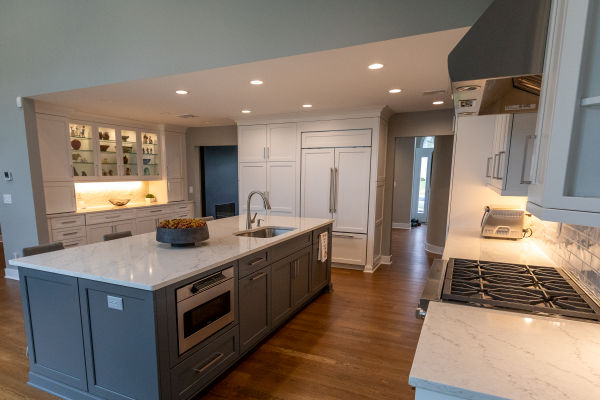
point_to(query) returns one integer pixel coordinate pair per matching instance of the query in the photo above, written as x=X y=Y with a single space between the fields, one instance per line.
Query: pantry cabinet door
x=175 y=147
x=281 y=188
x=252 y=143
x=54 y=148
x=282 y=142
x=252 y=176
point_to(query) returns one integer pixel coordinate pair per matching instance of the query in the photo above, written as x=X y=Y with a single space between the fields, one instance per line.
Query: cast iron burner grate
x=516 y=286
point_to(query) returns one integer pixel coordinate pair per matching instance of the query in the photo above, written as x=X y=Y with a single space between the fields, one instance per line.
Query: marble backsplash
x=575 y=248
x=95 y=194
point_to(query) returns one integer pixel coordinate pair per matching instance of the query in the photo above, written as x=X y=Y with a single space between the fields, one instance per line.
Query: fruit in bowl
x=119 y=202
x=182 y=231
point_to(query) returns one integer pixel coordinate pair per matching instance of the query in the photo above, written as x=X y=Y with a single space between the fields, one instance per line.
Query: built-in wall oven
x=204 y=307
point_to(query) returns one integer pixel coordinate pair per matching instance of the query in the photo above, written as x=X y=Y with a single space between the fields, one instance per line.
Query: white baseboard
x=401 y=225
x=431 y=248
x=11 y=273
x=386 y=259
x=370 y=268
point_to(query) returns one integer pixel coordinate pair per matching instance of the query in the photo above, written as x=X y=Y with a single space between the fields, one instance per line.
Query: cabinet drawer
x=349 y=248
x=60 y=235
x=181 y=207
x=291 y=246
x=253 y=263
x=67 y=222
x=74 y=242
x=191 y=375
x=101 y=218
x=150 y=211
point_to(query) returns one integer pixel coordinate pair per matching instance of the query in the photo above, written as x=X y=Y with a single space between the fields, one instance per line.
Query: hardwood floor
x=355 y=343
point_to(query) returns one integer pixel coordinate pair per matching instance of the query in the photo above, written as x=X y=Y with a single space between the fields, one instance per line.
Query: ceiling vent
x=187 y=116
x=435 y=92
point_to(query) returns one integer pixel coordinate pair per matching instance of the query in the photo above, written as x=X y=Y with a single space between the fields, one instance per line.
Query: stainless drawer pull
x=154 y=211
x=258 y=276
x=217 y=357
x=68 y=222
x=113 y=217
x=257 y=261
x=70 y=233
x=343 y=236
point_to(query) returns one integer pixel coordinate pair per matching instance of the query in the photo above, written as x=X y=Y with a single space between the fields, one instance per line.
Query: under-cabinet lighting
x=256 y=82
x=181 y=91
x=95 y=187
x=376 y=66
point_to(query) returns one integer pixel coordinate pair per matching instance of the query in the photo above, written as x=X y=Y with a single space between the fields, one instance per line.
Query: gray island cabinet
x=122 y=335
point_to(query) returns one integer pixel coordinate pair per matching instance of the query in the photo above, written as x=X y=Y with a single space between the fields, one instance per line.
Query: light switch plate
x=115 y=303
x=7 y=198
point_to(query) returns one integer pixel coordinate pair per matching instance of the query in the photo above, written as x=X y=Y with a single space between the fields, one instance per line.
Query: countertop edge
x=278 y=240
x=450 y=390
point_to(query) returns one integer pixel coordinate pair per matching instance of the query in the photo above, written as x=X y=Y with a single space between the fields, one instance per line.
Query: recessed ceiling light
x=438 y=102
x=181 y=91
x=395 y=90
x=376 y=66
x=256 y=82
x=307 y=105
x=246 y=111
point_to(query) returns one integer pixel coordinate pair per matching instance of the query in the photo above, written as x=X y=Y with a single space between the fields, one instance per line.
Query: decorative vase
x=75 y=144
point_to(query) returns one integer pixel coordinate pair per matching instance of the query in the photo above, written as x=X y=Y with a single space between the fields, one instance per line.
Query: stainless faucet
x=250 y=221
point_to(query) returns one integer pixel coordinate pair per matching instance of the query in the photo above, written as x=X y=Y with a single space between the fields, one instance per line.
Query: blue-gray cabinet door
x=254 y=307
x=301 y=276
x=281 y=293
x=53 y=325
x=120 y=341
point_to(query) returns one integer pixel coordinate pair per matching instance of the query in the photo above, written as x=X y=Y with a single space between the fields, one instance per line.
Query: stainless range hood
x=497 y=66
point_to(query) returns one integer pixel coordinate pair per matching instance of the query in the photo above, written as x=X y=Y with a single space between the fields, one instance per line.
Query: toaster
x=502 y=223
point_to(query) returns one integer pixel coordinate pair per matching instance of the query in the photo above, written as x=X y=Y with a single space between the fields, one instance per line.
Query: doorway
x=421 y=182
x=219 y=181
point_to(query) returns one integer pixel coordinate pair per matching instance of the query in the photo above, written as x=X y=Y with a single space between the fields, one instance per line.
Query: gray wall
x=50 y=46
x=402 y=183
x=423 y=123
x=204 y=136
x=439 y=194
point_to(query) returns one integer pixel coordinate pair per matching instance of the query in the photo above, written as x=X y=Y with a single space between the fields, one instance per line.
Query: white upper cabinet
x=175 y=149
x=281 y=188
x=252 y=143
x=54 y=148
x=566 y=182
x=281 y=142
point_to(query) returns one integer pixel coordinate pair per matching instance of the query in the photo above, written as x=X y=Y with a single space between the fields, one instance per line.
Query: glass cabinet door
x=107 y=140
x=82 y=150
x=129 y=149
x=150 y=155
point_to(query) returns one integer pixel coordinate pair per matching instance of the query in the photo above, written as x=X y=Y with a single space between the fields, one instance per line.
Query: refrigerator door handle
x=331 y=190
x=335 y=189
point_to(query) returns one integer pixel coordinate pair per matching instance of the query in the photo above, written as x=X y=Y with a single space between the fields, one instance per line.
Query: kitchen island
x=134 y=318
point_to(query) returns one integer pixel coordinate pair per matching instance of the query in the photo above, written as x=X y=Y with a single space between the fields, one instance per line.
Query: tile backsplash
x=575 y=248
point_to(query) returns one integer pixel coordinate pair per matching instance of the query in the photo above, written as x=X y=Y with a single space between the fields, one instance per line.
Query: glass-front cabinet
x=101 y=152
x=150 y=154
x=83 y=153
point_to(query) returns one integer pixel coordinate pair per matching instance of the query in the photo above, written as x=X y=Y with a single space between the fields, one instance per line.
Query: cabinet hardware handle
x=264 y=153
x=258 y=276
x=525 y=156
x=217 y=357
x=70 y=233
x=256 y=261
x=112 y=217
x=343 y=236
x=268 y=153
x=488 y=173
x=335 y=191
x=500 y=166
x=331 y=178
x=494 y=167
x=67 y=222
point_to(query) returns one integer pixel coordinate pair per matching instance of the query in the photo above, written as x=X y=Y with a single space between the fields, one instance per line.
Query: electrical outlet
x=7 y=198
x=115 y=303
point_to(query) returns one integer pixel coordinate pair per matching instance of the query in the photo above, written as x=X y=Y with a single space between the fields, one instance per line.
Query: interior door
x=351 y=189
x=252 y=176
x=281 y=188
x=316 y=183
x=421 y=184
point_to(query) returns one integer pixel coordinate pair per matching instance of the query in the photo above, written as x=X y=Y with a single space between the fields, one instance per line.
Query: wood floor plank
x=355 y=343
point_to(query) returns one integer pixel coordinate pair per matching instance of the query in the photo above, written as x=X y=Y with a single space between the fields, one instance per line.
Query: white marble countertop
x=142 y=262
x=469 y=244
x=477 y=353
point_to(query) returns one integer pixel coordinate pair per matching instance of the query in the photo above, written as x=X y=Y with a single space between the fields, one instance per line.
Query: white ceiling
x=332 y=81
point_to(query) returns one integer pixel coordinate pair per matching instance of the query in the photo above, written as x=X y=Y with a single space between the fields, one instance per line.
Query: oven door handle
x=217 y=357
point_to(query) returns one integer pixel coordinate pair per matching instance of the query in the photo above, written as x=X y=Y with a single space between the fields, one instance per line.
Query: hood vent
x=496 y=68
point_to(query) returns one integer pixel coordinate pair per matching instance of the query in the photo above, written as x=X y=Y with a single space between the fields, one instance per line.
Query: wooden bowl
x=182 y=237
x=104 y=147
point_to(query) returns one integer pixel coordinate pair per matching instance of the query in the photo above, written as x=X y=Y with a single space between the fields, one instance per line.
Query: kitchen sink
x=265 y=232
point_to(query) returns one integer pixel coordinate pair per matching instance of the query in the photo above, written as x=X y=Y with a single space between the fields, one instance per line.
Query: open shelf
x=591 y=101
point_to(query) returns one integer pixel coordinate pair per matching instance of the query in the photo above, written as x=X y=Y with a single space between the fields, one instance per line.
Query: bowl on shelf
x=75 y=144
x=124 y=138
x=127 y=149
x=75 y=156
x=146 y=161
x=146 y=171
x=119 y=202
x=104 y=147
x=182 y=232
x=106 y=136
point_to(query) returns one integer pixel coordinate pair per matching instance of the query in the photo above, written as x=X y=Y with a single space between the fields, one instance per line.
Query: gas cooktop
x=516 y=286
